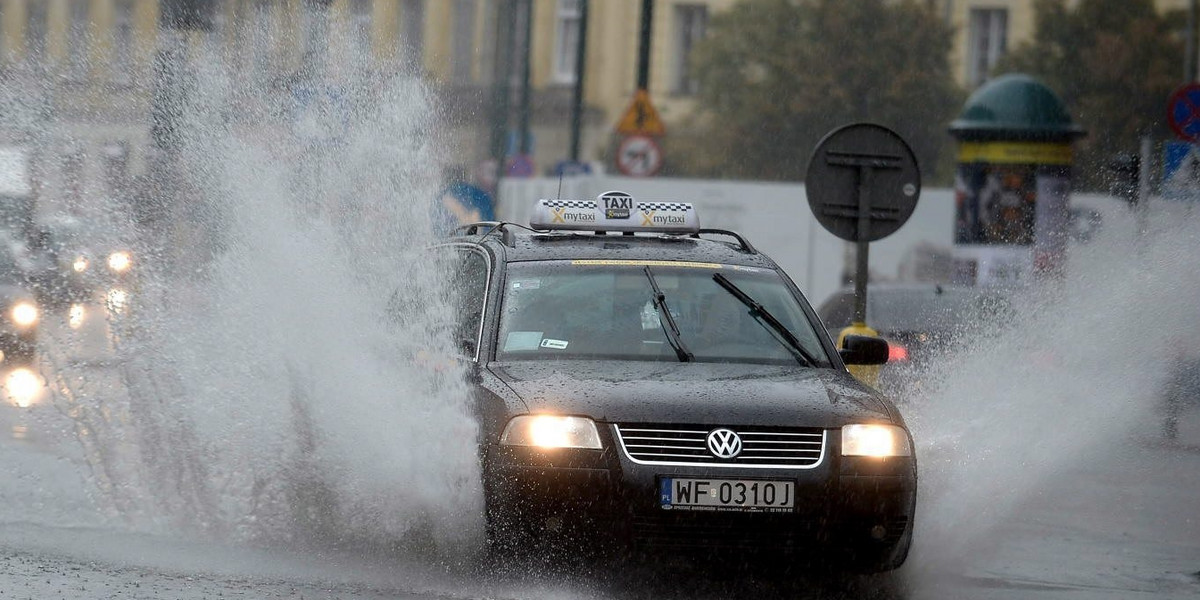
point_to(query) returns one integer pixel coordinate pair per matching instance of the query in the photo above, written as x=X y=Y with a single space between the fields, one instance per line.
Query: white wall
x=775 y=218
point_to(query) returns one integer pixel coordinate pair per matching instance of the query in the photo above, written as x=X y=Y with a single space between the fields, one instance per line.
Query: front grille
x=762 y=447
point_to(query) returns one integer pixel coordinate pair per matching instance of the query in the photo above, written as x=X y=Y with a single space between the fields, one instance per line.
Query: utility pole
x=506 y=25
x=580 y=69
x=316 y=44
x=526 y=145
x=173 y=83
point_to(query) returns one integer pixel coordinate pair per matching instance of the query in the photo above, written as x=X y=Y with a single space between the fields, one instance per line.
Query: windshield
x=603 y=309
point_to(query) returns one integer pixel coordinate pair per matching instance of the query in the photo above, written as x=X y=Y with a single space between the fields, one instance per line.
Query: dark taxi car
x=639 y=385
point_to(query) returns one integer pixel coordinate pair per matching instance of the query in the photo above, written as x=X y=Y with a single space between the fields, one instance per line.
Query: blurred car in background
x=1182 y=391
x=91 y=269
x=19 y=322
x=921 y=322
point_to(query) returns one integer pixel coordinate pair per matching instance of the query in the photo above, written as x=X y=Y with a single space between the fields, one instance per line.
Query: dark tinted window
x=469 y=289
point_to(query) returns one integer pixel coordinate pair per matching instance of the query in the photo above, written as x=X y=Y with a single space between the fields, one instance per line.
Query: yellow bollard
x=868 y=374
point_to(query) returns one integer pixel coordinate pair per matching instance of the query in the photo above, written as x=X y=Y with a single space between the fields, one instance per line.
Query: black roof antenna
x=560 y=176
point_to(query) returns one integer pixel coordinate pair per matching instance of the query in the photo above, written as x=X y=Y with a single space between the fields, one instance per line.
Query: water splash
x=261 y=387
x=1082 y=367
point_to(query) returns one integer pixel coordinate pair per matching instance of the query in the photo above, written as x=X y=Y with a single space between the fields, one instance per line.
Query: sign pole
x=862 y=258
x=643 y=74
x=1189 y=52
x=863 y=248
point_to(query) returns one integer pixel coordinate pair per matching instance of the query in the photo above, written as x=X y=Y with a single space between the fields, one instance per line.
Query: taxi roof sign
x=615 y=211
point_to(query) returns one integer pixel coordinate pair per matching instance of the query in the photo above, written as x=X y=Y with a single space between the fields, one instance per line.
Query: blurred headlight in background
x=551 y=431
x=120 y=261
x=81 y=264
x=875 y=440
x=117 y=300
x=76 y=316
x=23 y=387
x=24 y=314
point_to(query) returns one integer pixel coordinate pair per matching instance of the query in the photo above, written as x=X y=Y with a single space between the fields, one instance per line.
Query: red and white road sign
x=639 y=156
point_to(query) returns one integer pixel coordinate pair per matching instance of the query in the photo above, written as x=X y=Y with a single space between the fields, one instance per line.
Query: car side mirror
x=863 y=350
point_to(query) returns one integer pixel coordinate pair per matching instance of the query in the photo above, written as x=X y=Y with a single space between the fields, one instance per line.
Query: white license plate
x=739 y=495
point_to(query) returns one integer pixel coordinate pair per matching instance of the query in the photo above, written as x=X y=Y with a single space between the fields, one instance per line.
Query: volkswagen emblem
x=724 y=443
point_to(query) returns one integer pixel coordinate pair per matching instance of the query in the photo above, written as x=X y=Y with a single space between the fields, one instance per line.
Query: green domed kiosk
x=1013 y=183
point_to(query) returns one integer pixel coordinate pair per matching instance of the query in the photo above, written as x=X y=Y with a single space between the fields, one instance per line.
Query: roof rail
x=745 y=244
x=486 y=228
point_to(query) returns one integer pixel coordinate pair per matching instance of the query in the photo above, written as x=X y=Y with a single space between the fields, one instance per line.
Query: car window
x=596 y=309
x=468 y=293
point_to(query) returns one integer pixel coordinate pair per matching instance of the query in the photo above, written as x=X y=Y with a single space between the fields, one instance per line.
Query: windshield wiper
x=764 y=317
x=666 y=320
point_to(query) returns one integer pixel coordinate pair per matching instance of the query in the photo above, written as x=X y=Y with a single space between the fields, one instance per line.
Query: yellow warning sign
x=641 y=118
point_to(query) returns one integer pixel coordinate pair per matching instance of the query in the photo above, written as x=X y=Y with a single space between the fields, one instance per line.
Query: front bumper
x=849 y=508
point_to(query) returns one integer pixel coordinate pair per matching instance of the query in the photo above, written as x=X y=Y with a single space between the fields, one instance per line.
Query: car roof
x=523 y=246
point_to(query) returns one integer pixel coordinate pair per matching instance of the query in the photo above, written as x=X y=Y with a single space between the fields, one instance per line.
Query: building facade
x=92 y=62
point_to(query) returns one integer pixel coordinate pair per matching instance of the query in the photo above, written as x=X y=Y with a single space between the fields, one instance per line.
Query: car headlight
x=551 y=431
x=24 y=314
x=875 y=440
x=117 y=300
x=76 y=315
x=23 y=387
x=120 y=261
x=81 y=264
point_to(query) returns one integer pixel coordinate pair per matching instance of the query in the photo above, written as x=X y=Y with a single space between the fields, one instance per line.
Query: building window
x=360 y=29
x=123 y=41
x=464 y=39
x=566 y=44
x=412 y=32
x=35 y=31
x=261 y=24
x=77 y=41
x=691 y=22
x=988 y=39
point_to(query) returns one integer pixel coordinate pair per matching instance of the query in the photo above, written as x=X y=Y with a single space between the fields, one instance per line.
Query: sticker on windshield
x=522 y=340
x=527 y=284
x=556 y=344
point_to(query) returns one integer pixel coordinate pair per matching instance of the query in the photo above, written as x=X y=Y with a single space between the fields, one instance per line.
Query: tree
x=1114 y=63
x=777 y=75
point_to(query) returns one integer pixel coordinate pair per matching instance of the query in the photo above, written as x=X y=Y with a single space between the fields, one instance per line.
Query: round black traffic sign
x=862 y=182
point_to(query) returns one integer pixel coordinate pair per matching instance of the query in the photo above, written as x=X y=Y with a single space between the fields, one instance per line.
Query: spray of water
x=1082 y=367
x=262 y=387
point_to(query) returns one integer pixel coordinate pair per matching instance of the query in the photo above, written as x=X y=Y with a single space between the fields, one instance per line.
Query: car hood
x=701 y=393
